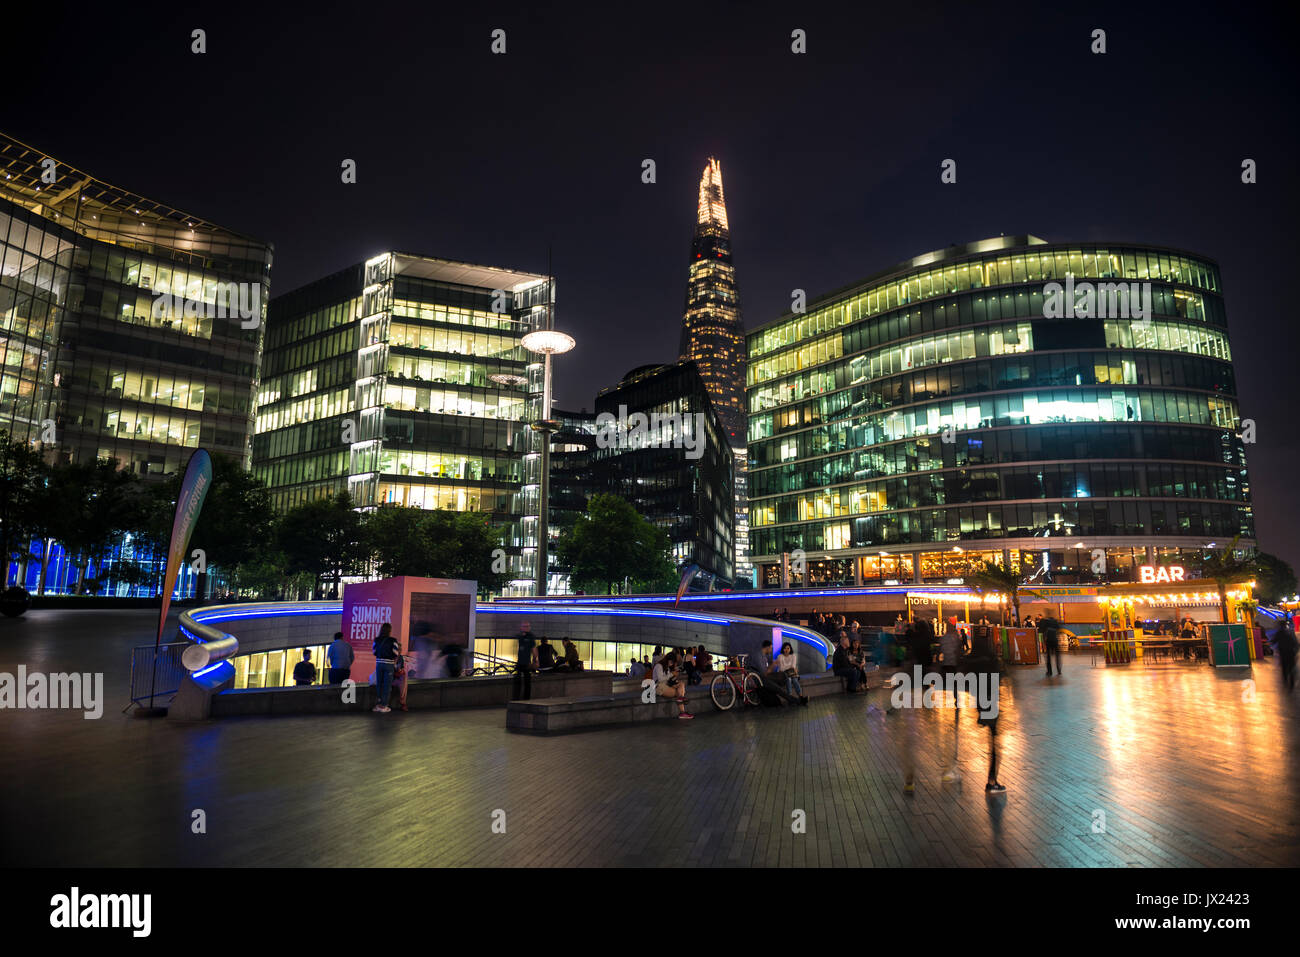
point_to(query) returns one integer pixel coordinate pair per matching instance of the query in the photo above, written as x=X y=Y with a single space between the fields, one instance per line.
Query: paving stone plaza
x=1149 y=766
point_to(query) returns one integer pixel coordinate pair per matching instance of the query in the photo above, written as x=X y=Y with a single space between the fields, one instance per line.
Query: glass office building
x=682 y=483
x=402 y=380
x=129 y=330
x=1011 y=400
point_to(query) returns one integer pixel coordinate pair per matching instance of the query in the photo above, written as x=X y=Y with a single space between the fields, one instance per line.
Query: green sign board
x=1228 y=647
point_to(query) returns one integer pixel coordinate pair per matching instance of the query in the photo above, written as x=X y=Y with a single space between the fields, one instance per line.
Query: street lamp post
x=546 y=343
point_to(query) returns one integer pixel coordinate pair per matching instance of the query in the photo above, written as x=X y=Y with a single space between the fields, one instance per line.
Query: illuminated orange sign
x=1151 y=574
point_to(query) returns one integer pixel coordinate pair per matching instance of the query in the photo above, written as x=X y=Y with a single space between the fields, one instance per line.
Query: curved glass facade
x=1001 y=394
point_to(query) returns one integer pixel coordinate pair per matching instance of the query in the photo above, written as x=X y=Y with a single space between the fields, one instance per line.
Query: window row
x=1044 y=520
x=1052 y=369
x=995 y=485
x=891 y=334
x=1048 y=406
x=1073 y=442
x=1046 y=266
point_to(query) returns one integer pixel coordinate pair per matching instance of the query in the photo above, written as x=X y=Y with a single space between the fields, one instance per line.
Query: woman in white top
x=669 y=685
x=785 y=664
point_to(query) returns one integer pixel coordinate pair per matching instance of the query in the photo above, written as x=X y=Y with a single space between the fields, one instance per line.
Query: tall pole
x=543 y=507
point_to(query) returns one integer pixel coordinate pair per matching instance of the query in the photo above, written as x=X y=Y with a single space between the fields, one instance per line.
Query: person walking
x=1286 y=644
x=386 y=649
x=339 y=656
x=525 y=661
x=1050 y=631
x=400 y=674
x=983 y=664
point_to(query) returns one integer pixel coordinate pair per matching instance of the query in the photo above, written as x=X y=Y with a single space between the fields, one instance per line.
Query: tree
x=87 y=507
x=323 y=538
x=1274 y=579
x=435 y=543
x=1224 y=567
x=991 y=578
x=22 y=477
x=266 y=574
x=234 y=525
x=611 y=542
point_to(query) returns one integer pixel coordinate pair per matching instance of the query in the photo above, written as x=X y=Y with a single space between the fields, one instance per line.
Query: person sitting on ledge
x=571 y=661
x=787 y=666
x=668 y=683
x=843 y=666
x=545 y=656
x=764 y=665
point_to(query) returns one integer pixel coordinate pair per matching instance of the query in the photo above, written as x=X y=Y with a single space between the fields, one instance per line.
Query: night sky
x=830 y=159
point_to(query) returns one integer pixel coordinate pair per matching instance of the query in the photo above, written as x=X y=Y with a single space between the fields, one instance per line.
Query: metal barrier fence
x=160 y=677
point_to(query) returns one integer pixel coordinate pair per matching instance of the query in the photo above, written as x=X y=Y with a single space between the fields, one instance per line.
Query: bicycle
x=733 y=683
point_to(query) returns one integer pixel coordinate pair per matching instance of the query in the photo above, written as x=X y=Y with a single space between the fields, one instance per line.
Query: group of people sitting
x=850 y=663
x=551 y=661
x=694 y=662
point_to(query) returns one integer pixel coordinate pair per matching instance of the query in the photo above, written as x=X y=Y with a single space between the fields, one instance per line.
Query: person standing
x=525 y=661
x=304 y=672
x=386 y=649
x=340 y=656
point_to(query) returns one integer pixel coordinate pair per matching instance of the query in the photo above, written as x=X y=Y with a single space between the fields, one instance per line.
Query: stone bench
x=624 y=705
x=421 y=694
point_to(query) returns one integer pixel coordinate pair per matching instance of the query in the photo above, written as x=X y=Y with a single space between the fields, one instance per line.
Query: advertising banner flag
x=690 y=573
x=194 y=489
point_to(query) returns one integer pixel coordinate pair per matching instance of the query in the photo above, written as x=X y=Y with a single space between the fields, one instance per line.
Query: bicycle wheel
x=751 y=686
x=723 y=692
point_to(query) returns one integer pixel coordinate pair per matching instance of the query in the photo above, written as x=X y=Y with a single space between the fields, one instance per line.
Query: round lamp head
x=508 y=378
x=548 y=342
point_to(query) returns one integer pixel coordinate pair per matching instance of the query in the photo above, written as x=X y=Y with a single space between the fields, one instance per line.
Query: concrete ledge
x=443 y=694
x=624 y=705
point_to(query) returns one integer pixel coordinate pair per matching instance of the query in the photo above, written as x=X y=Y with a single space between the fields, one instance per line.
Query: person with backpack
x=387 y=650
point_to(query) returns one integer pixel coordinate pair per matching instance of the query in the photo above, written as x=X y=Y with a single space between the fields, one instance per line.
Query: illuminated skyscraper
x=712 y=334
x=713 y=337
